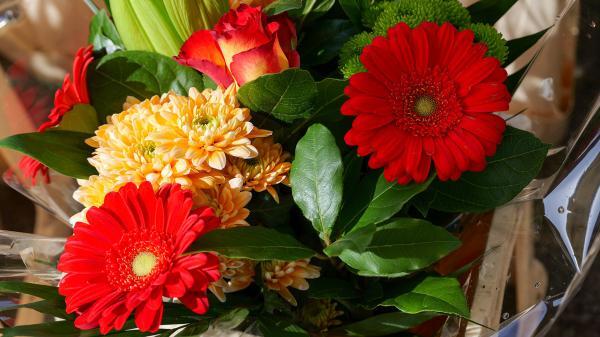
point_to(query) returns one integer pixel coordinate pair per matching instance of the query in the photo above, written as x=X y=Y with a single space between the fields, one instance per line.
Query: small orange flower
x=236 y=275
x=229 y=204
x=279 y=275
x=263 y=171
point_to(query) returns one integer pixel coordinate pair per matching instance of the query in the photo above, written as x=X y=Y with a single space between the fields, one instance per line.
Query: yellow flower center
x=252 y=161
x=425 y=106
x=147 y=148
x=143 y=264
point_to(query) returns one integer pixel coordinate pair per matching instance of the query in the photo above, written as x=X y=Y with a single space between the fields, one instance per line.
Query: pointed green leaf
x=316 y=178
x=139 y=74
x=255 y=243
x=400 y=248
x=287 y=95
x=357 y=241
x=353 y=10
x=55 y=308
x=281 y=6
x=274 y=327
x=82 y=118
x=104 y=35
x=383 y=324
x=62 y=151
x=37 y=290
x=359 y=195
x=517 y=161
x=517 y=47
x=431 y=294
x=489 y=11
x=388 y=199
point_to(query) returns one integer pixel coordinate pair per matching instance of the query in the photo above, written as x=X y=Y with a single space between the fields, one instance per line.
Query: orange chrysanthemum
x=205 y=128
x=265 y=170
x=228 y=203
x=236 y=275
x=279 y=275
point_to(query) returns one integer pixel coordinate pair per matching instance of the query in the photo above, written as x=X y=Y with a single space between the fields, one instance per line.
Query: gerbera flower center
x=137 y=259
x=144 y=263
x=425 y=106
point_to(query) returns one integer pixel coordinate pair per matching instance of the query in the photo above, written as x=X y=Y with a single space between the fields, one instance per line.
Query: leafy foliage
x=139 y=74
x=104 y=35
x=316 y=178
x=517 y=161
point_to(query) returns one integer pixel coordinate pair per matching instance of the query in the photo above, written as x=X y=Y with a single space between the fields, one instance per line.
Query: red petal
x=202 y=53
x=266 y=59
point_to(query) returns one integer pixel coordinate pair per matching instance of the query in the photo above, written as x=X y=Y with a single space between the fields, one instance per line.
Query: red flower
x=72 y=92
x=244 y=45
x=428 y=94
x=130 y=254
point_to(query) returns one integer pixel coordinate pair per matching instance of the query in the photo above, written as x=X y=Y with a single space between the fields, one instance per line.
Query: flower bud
x=163 y=25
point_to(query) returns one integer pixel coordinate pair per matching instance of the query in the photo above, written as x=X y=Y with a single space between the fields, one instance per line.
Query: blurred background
x=38 y=39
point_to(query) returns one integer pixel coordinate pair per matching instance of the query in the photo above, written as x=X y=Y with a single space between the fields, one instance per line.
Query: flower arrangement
x=281 y=165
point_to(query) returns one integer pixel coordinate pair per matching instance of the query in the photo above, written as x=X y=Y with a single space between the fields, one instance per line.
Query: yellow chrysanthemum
x=228 y=203
x=265 y=170
x=91 y=192
x=126 y=153
x=205 y=127
x=236 y=275
x=279 y=275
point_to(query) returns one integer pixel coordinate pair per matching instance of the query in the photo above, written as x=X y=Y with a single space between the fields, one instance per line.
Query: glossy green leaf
x=231 y=319
x=357 y=241
x=316 y=178
x=82 y=118
x=517 y=47
x=281 y=6
x=54 y=308
x=358 y=196
x=255 y=243
x=311 y=10
x=194 y=330
x=62 y=151
x=37 y=290
x=287 y=95
x=489 y=11
x=431 y=294
x=400 y=248
x=328 y=287
x=139 y=74
x=353 y=9
x=322 y=42
x=274 y=327
x=517 y=161
x=383 y=324
x=104 y=35
x=388 y=199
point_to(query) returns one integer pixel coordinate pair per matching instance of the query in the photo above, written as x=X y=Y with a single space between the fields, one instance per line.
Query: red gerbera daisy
x=130 y=254
x=71 y=93
x=428 y=94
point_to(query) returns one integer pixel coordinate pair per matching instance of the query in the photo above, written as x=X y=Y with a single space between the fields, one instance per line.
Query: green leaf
x=353 y=10
x=388 y=199
x=194 y=330
x=311 y=10
x=281 y=6
x=272 y=327
x=489 y=11
x=431 y=294
x=383 y=324
x=329 y=287
x=400 y=248
x=358 y=196
x=62 y=151
x=37 y=290
x=82 y=118
x=357 y=241
x=517 y=161
x=256 y=243
x=104 y=35
x=139 y=74
x=287 y=95
x=231 y=319
x=514 y=80
x=316 y=178
x=517 y=47
x=322 y=42
x=55 y=308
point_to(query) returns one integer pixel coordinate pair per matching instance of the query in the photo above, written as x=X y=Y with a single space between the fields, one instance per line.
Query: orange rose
x=244 y=45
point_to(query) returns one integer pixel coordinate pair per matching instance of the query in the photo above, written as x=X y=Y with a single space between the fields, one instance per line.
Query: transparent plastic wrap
x=538 y=248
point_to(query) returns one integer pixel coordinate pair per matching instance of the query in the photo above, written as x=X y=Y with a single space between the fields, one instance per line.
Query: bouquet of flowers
x=292 y=167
